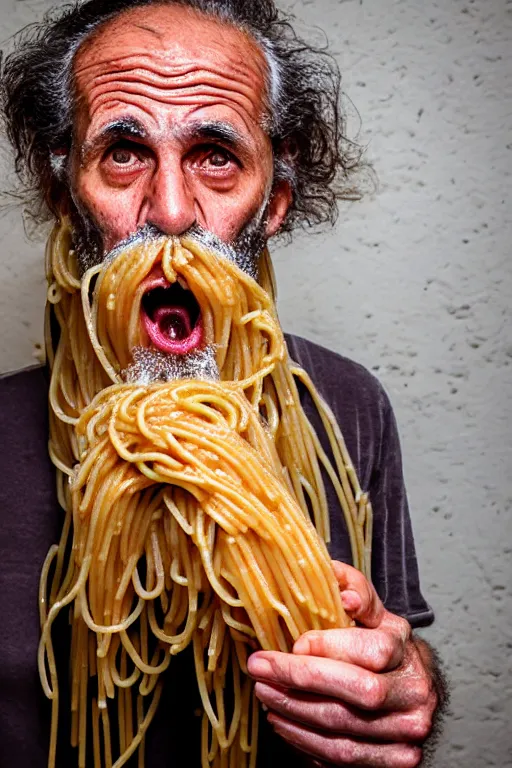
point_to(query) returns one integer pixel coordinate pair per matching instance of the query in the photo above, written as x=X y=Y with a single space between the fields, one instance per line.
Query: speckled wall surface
x=416 y=283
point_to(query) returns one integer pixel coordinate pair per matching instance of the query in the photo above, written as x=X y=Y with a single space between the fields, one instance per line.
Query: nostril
x=152 y=230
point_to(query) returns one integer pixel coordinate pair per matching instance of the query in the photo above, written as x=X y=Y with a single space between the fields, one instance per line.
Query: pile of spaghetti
x=196 y=511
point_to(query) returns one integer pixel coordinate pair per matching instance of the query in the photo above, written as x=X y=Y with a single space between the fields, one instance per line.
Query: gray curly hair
x=306 y=123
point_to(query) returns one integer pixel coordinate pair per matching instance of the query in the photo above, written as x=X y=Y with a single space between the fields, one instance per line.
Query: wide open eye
x=124 y=161
x=214 y=159
x=218 y=159
x=123 y=156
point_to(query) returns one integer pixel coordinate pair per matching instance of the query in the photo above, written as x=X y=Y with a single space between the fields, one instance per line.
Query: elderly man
x=133 y=115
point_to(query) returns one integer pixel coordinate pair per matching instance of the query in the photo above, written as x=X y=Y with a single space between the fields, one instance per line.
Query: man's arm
x=366 y=695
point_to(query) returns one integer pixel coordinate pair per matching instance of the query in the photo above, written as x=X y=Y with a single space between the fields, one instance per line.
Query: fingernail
x=350 y=599
x=301 y=646
x=258 y=667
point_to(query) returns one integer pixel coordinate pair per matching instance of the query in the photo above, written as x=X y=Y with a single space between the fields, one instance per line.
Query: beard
x=188 y=479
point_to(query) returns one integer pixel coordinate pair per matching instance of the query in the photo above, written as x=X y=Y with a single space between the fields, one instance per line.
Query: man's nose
x=171 y=205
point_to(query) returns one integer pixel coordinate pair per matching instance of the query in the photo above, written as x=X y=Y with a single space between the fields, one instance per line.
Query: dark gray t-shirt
x=31 y=522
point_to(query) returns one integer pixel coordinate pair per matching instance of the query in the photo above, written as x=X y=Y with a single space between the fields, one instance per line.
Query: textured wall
x=415 y=283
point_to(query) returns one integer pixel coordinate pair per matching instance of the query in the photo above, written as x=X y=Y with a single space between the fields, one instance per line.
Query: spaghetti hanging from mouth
x=191 y=505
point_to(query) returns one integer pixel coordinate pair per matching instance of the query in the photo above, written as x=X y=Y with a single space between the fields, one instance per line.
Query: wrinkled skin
x=169 y=131
x=357 y=696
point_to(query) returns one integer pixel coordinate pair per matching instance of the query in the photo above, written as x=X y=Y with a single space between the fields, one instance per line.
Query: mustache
x=244 y=252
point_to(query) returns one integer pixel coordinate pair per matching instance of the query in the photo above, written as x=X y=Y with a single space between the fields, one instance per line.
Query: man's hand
x=357 y=696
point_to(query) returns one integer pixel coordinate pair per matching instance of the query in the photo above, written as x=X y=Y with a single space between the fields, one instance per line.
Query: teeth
x=183 y=283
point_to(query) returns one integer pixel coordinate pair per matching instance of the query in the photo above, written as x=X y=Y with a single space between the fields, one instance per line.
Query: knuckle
x=420 y=725
x=404 y=629
x=286 y=704
x=289 y=671
x=422 y=691
x=416 y=756
x=408 y=757
x=385 y=650
x=374 y=693
x=281 y=669
x=432 y=702
x=345 y=752
x=298 y=675
x=330 y=716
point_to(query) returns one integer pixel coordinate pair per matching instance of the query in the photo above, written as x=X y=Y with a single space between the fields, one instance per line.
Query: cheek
x=228 y=216
x=226 y=221
x=114 y=211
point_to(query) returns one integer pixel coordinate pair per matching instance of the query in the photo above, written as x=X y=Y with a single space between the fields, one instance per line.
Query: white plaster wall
x=415 y=283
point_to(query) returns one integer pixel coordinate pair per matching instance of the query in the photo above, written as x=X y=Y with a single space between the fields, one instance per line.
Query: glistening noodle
x=195 y=509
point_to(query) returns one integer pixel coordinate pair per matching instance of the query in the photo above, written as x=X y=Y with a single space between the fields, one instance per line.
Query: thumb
x=358 y=595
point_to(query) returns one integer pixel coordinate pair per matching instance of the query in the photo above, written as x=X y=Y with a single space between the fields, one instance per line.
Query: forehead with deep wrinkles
x=153 y=58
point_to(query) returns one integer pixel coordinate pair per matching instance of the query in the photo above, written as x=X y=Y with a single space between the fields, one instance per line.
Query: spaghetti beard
x=180 y=486
x=237 y=315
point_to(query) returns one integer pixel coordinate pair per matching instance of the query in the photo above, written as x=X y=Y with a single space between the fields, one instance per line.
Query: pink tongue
x=173 y=322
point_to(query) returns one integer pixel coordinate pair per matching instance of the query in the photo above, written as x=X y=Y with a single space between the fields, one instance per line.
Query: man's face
x=168 y=128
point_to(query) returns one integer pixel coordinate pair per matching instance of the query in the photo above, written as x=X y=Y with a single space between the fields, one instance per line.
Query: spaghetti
x=189 y=504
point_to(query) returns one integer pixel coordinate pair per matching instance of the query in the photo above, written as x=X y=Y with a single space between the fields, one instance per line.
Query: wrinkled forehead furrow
x=170 y=70
x=183 y=51
x=203 y=89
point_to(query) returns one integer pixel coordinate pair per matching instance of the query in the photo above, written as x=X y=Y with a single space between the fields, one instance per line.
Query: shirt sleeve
x=394 y=564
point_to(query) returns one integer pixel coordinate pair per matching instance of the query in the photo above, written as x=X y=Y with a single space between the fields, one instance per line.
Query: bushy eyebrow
x=131 y=128
x=216 y=130
x=123 y=128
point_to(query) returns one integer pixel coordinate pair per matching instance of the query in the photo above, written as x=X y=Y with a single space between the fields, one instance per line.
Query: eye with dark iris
x=218 y=159
x=172 y=296
x=122 y=156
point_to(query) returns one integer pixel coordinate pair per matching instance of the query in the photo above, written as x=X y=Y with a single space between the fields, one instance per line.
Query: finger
x=370 y=609
x=351 y=601
x=372 y=649
x=324 y=677
x=363 y=604
x=329 y=715
x=394 y=691
x=398 y=626
x=341 y=750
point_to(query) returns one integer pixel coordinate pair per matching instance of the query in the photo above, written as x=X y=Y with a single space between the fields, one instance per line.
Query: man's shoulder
x=338 y=377
x=24 y=423
x=33 y=378
x=24 y=397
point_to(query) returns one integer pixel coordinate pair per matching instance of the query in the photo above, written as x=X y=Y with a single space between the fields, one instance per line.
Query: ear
x=278 y=206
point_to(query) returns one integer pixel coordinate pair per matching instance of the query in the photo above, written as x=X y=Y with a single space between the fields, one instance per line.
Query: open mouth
x=171 y=315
